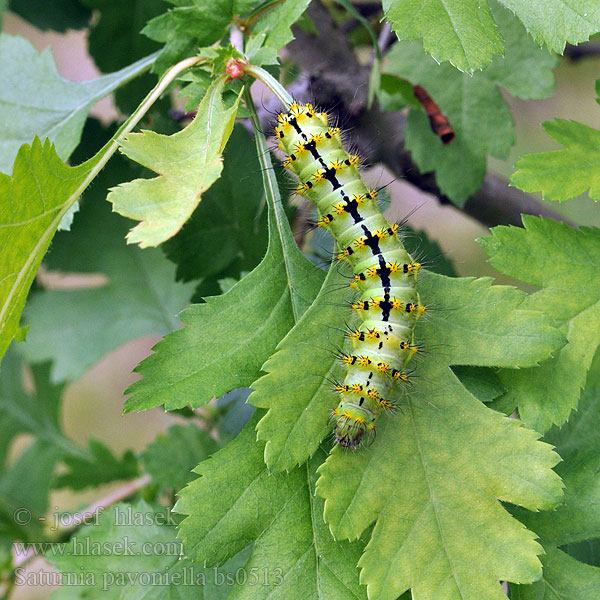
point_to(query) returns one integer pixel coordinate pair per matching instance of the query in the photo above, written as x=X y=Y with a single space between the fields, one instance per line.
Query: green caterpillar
x=384 y=273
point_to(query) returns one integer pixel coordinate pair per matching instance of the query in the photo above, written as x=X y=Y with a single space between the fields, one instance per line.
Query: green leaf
x=434 y=497
x=563 y=174
x=29 y=221
x=35 y=210
x=36 y=101
x=564 y=263
x=464 y=32
x=395 y=93
x=24 y=490
x=236 y=502
x=172 y=456
x=483 y=383
x=474 y=106
x=297 y=388
x=114 y=41
x=188 y=162
x=273 y=29
x=192 y=24
x=99 y=466
x=25 y=484
x=145 y=537
x=36 y=412
x=564 y=578
x=556 y=22
x=75 y=328
x=459 y=31
x=576 y=520
x=230 y=224
x=228 y=338
x=63 y=14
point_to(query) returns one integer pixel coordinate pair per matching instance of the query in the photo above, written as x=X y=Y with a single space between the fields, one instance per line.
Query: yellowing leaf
x=188 y=163
x=564 y=263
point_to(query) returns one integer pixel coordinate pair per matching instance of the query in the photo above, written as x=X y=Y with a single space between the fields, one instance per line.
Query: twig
x=385 y=37
x=81 y=517
x=588 y=50
x=121 y=493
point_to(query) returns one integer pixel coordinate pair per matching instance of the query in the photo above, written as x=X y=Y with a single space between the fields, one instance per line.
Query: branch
x=88 y=514
x=585 y=50
x=337 y=79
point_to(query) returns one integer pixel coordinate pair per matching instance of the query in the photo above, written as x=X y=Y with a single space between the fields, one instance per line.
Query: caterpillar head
x=351 y=424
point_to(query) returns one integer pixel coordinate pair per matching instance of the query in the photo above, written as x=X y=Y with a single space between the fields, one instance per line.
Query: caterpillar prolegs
x=384 y=274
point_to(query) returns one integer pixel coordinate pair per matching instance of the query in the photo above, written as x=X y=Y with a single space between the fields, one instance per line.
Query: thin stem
x=258 y=12
x=350 y=8
x=91 y=512
x=148 y=101
x=121 y=493
x=272 y=83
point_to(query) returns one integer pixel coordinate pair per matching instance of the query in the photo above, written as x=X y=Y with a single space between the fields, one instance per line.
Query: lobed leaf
x=25 y=482
x=272 y=30
x=29 y=219
x=98 y=466
x=188 y=163
x=230 y=224
x=192 y=24
x=563 y=174
x=144 y=535
x=557 y=22
x=297 y=388
x=563 y=262
x=236 y=502
x=463 y=33
x=423 y=516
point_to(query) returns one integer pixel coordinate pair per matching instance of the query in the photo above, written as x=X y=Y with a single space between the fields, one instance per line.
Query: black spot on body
x=386 y=307
x=371 y=240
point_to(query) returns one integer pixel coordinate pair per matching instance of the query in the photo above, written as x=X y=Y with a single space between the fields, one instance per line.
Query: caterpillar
x=384 y=274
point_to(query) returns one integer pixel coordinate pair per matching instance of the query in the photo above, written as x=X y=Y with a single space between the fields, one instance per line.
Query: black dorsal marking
x=371 y=240
x=384 y=273
x=351 y=208
x=386 y=307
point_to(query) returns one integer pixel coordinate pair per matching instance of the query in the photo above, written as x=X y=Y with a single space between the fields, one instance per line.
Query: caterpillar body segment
x=385 y=275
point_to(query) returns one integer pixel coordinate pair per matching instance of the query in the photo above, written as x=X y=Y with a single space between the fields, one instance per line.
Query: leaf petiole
x=270 y=81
